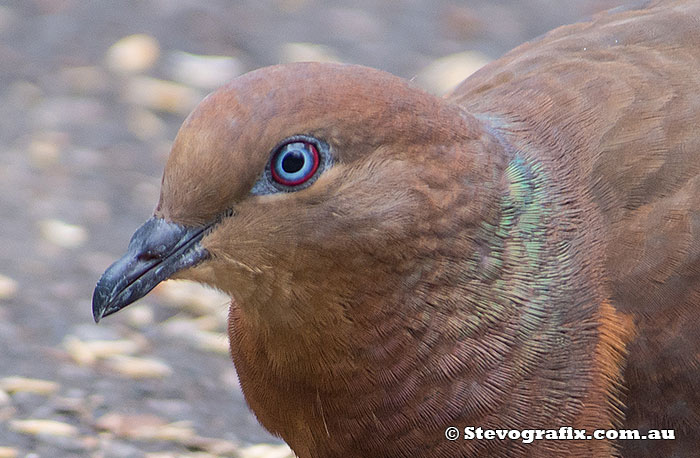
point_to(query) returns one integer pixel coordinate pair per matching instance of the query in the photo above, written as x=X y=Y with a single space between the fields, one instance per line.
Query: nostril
x=145 y=257
x=153 y=254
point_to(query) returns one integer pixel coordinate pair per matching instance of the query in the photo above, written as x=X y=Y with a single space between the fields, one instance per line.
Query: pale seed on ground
x=133 y=367
x=37 y=427
x=27 y=385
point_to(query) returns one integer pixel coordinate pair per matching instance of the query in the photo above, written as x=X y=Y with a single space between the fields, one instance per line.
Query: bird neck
x=504 y=324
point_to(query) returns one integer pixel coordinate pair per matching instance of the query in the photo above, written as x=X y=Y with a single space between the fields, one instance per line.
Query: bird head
x=316 y=195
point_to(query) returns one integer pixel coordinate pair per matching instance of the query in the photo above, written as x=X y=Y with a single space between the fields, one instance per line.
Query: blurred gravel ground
x=91 y=95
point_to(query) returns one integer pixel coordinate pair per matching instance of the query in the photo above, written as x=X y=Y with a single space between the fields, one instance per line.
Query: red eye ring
x=294 y=163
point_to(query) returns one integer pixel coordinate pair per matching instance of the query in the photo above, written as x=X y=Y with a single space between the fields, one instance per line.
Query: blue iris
x=294 y=163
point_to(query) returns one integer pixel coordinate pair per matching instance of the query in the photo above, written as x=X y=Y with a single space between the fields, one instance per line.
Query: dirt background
x=86 y=121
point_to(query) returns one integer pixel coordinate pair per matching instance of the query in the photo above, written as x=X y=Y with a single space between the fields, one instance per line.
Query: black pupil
x=293 y=161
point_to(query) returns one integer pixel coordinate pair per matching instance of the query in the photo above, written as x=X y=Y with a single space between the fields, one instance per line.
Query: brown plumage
x=523 y=253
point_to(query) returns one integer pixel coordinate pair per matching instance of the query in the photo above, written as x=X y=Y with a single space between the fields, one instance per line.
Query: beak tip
x=133 y=275
x=98 y=304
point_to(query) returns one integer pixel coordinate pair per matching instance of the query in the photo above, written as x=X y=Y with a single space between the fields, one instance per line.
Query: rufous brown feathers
x=521 y=254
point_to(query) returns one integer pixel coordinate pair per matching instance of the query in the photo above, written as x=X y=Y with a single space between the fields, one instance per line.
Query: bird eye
x=294 y=163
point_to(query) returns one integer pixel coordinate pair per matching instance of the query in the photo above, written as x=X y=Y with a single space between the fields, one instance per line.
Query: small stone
x=133 y=54
x=266 y=451
x=181 y=455
x=133 y=367
x=28 y=385
x=161 y=95
x=216 y=342
x=80 y=352
x=192 y=297
x=179 y=325
x=307 y=52
x=214 y=321
x=216 y=447
x=139 y=316
x=205 y=72
x=8 y=452
x=43 y=154
x=4 y=398
x=180 y=432
x=87 y=352
x=62 y=234
x=447 y=72
x=8 y=287
x=145 y=427
x=45 y=148
x=36 y=427
x=75 y=406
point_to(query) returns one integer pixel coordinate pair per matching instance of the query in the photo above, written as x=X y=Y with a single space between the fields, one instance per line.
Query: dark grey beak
x=156 y=251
